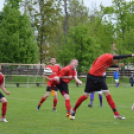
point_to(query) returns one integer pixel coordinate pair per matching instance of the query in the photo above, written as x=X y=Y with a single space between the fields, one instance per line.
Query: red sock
x=42 y=100
x=4 y=109
x=79 y=101
x=68 y=106
x=55 y=102
x=112 y=104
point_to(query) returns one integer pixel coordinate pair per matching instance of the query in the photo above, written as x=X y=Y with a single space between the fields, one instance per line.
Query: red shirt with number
x=101 y=64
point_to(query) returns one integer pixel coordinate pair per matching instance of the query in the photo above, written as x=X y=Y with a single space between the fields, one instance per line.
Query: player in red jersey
x=2 y=98
x=96 y=81
x=55 y=70
x=61 y=81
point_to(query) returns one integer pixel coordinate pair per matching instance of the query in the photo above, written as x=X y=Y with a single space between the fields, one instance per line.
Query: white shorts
x=116 y=80
x=99 y=92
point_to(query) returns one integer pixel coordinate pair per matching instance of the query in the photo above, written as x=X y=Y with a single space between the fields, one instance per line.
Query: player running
x=55 y=70
x=61 y=81
x=96 y=81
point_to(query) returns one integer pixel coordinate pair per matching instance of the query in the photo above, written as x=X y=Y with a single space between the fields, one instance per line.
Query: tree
x=80 y=46
x=101 y=29
x=125 y=45
x=78 y=13
x=18 y=43
x=44 y=15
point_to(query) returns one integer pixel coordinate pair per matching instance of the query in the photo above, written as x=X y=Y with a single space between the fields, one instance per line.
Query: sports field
x=24 y=119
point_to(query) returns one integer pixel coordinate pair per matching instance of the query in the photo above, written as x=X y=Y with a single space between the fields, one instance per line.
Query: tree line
x=32 y=31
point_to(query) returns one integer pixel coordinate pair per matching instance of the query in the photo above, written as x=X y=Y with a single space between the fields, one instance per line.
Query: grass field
x=24 y=119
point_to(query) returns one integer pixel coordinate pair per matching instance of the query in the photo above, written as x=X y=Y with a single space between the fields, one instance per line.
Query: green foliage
x=78 y=13
x=44 y=15
x=24 y=119
x=18 y=44
x=125 y=45
x=80 y=46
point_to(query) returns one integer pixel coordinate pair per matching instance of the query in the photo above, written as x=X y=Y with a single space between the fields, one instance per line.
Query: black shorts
x=63 y=87
x=95 y=83
x=49 y=88
x=1 y=95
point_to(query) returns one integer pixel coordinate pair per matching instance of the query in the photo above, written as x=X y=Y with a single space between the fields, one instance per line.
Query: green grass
x=24 y=119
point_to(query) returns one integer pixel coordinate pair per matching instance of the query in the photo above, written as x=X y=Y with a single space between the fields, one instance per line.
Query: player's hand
x=121 y=64
x=7 y=92
x=132 y=55
x=56 y=78
x=80 y=82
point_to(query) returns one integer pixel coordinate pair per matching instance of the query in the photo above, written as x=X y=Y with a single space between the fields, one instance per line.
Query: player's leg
x=48 y=90
x=112 y=104
x=91 y=99
x=80 y=100
x=100 y=97
x=55 y=99
x=87 y=91
x=63 y=88
x=117 y=82
x=132 y=84
x=3 y=108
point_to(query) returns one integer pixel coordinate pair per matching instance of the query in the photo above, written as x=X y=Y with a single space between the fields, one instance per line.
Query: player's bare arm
x=78 y=80
x=4 y=89
x=56 y=78
x=47 y=78
x=67 y=77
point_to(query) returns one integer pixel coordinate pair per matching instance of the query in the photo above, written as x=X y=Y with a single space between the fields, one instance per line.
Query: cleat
x=90 y=105
x=119 y=117
x=101 y=105
x=4 y=120
x=54 y=109
x=37 y=107
x=70 y=117
x=73 y=114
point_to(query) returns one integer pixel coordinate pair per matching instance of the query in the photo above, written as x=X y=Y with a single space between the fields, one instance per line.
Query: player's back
x=101 y=64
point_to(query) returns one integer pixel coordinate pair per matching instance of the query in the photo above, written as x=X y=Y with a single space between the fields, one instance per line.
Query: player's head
x=74 y=63
x=52 y=61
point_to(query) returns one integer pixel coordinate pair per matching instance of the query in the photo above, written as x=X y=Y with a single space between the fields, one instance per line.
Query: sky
x=88 y=3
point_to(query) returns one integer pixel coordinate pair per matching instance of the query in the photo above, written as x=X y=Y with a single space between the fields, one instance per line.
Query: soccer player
x=61 y=81
x=2 y=98
x=55 y=70
x=132 y=80
x=116 y=77
x=92 y=98
x=96 y=81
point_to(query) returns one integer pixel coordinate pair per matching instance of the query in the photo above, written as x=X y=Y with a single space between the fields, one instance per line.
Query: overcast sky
x=88 y=3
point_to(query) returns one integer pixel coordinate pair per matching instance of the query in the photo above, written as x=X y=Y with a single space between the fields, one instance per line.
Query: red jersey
x=67 y=71
x=55 y=70
x=101 y=64
x=1 y=79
